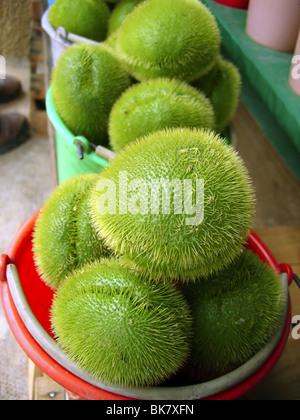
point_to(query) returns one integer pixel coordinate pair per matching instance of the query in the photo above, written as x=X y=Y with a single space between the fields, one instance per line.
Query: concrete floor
x=26 y=181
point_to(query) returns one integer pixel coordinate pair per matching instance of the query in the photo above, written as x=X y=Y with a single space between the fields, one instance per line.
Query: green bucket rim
x=67 y=135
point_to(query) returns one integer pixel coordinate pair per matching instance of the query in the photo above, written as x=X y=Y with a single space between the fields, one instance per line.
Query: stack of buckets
x=67 y=158
x=26 y=301
x=68 y=162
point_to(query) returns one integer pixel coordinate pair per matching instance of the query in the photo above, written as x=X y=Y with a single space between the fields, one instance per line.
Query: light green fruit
x=121 y=328
x=64 y=238
x=222 y=85
x=120 y=13
x=169 y=38
x=86 y=82
x=111 y=41
x=177 y=204
x=155 y=105
x=87 y=18
x=235 y=313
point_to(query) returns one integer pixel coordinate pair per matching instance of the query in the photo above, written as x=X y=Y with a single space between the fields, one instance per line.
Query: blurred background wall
x=14 y=28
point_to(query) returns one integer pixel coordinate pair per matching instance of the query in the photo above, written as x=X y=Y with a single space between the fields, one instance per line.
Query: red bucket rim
x=88 y=391
x=238 y=4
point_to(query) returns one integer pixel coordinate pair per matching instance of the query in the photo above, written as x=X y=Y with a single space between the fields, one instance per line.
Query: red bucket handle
x=285 y=268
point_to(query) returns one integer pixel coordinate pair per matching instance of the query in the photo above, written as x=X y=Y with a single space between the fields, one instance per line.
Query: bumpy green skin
x=86 y=82
x=64 y=238
x=235 y=313
x=161 y=245
x=87 y=18
x=120 y=13
x=121 y=328
x=222 y=85
x=155 y=105
x=169 y=38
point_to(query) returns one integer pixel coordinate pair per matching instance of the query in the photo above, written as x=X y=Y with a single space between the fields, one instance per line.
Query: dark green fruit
x=154 y=105
x=177 y=204
x=169 y=38
x=87 y=18
x=120 y=13
x=222 y=85
x=64 y=238
x=121 y=328
x=235 y=314
x=86 y=82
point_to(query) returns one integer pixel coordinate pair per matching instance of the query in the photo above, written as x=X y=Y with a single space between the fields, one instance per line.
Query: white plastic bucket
x=58 y=44
x=61 y=40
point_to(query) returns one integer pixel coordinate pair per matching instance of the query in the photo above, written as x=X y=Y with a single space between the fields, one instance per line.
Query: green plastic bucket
x=67 y=156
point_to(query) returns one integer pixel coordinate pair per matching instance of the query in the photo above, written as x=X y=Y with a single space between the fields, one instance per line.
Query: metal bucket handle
x=71 y=38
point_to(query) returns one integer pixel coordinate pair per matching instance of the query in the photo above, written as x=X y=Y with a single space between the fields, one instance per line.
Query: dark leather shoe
x=10 y=88
x=14 y=130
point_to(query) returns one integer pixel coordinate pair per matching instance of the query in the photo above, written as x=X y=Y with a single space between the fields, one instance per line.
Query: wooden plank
x=37 y=87
x=38 y=123
x=283 y=382
x=35 y=9
x=277 y=188
x=277 y=223
x=295 y=299
x=48 y=390
x=47 y=80
x=284 y=244
x=33 y=372
x=36 y=44
x=41 y=387
x=38 y=115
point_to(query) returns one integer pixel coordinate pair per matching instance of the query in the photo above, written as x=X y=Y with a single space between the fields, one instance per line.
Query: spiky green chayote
x=64 y=238
x=121 y=328
x=86 y=82
x=177 y=204
x=169 y=38
x=235 y=313
x=155 y=105
x=222 y=85
x=120 y=13
x=87 y=18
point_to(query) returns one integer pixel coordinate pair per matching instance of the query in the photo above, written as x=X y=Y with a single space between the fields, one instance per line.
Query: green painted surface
x=266 y=91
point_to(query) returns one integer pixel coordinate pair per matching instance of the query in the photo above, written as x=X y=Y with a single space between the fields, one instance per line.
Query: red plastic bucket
x=239 y=4
x=39 y=298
